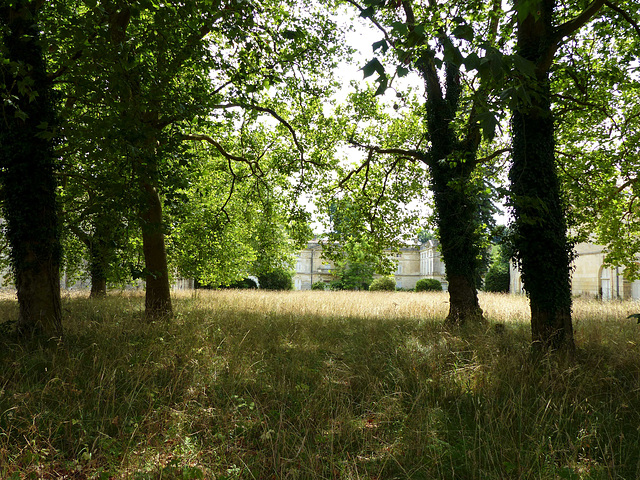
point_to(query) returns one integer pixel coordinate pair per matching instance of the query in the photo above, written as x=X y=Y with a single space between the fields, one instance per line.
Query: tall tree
x=540 y=237
x=28 y=164
x=430 y=39
x=153 y=76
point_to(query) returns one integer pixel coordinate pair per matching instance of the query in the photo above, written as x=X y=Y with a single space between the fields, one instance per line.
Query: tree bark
x=158 y=293
x=451 y=164
x=540 y=228
x=27 y=163
x=101 y=253
x=457 y=219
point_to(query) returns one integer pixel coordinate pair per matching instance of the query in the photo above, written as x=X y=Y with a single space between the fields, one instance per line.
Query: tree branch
x=495 y=154
x=255 y=167
x=573 y=25
x=624 y=14
x=566 y=29
x=364 y=164
x=275 y=115
x=413 y=154
x=375 y=22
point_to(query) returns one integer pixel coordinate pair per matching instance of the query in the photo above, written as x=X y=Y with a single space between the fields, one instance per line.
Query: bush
x=428 y=285
x=497 y=278
x=278 y=279
x=246 y=283
x=383 y=284
x=320 y=286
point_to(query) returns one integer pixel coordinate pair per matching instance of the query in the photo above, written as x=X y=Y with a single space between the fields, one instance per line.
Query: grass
x=319 y=385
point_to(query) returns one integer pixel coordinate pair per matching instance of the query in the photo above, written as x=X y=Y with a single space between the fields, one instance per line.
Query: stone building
x=591 y=277
x=412 y=264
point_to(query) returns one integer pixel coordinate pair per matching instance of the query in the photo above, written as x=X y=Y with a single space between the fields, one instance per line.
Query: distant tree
x=425 y=235
x=354 y=263
x=497 y=276
x=442 y=48
x=320 y=286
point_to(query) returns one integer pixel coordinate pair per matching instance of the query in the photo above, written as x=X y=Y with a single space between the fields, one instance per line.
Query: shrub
x=497 y=278
x=428 y=285
x=278 y=279
x=245 y=283
x=387 y=284
x=319 y=286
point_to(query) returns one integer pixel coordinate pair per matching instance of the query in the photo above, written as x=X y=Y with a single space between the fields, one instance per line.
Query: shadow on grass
x=226 y=393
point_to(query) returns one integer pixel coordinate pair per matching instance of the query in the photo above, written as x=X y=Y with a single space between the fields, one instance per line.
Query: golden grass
x=319 y=385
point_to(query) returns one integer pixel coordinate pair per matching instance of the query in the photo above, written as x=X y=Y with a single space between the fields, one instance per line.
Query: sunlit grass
x=319 y=385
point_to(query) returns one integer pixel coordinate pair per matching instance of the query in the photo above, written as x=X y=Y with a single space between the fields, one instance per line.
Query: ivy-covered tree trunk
x=27 y=172
x=457 y=217
x=158 y=292
x=451 y=164
x=540 y=228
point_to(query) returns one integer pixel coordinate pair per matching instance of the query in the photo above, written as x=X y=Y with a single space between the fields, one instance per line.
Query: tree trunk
x=101 y=252
x=158 y=293
x=457 y=216
x=451 y=164
x=98 y=282
x=27 y=163
x=540 y=228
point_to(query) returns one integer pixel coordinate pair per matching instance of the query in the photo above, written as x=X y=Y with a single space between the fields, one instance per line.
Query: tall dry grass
x=319 y=385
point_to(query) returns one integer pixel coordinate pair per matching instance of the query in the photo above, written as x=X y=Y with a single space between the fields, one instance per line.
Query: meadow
x=319 y=385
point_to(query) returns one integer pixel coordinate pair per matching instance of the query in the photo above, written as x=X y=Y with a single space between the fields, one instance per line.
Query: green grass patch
x=316 y=385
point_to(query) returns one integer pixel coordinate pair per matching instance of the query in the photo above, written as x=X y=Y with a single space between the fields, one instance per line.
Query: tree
x=597 y=128
x=497 y=276
x=28 y=165
x=454 y=118
x=160 y=75
x=383 y=284
x=428 y=285
x=540 y=239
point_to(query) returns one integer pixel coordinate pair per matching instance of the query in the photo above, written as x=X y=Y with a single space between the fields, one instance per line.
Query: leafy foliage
x=497 y=278
x=428 y=285
x=383 y=284
x=320 y=286
x=277 y=279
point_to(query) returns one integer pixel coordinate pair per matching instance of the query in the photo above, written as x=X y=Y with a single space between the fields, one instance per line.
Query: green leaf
x=524 y=66
x=452 y=54
x=488 y=124
x=463 y=32
x=367 y=12
x=382 y=87
x=635 y=316
x=21 y=115
x=472 y=61
x=291 y=34
x=381 y=44
x=568 y=474
x=402 y=71
x=373 y=66
x=400 y=28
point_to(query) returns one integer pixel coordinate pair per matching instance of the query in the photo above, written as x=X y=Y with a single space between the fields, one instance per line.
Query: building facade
x=411 y=264
x=591 y=277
